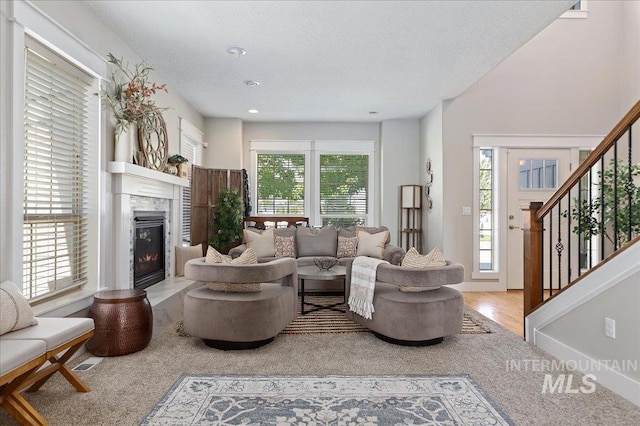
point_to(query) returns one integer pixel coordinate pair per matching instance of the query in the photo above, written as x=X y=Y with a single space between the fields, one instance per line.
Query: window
x=538 y=174
x=58 y=120
x=191 y=144
x=578 y=10
x=486 y=237
x=331 y=182
x=281 y=184
x=344 y=189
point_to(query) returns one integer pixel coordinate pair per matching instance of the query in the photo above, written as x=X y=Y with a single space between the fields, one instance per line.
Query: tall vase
x=124 y=149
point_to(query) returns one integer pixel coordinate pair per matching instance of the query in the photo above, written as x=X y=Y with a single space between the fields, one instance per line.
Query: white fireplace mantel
x=132 y=180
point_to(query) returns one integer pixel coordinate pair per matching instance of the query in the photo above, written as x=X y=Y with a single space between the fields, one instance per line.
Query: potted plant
x=227 y=221
x=130 y=101
x=598 y=215
x=180 y=163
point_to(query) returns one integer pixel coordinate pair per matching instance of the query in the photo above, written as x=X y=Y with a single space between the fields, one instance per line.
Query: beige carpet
x=125 y=389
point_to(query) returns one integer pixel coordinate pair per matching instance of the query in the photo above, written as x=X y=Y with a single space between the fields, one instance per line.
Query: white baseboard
x=478 y=286
x=616 y=381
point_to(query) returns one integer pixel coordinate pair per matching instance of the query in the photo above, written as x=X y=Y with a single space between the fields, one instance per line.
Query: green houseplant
x=226 y=226
x=598 y=215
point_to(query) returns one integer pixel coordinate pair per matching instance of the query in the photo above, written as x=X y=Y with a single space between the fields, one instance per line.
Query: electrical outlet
x=610 y=328
x=466 y=211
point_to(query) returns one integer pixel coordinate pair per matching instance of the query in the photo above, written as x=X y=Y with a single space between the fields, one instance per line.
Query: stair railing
x=593 y=216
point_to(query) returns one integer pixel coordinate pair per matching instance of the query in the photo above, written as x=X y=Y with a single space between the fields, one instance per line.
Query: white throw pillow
x=15 y=311
x=371 y=245
x=263 y=242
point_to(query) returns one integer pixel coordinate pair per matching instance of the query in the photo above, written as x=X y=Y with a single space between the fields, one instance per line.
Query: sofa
x=306 y=244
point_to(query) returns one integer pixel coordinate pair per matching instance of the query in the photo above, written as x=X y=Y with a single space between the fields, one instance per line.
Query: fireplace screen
x=148 y=251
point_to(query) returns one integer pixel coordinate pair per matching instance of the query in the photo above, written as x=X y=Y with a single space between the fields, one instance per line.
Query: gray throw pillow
x=317 y=242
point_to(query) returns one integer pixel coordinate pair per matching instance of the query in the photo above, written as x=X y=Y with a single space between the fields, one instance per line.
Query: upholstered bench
x=240 y=320
x=18 y=360
x=414 y=318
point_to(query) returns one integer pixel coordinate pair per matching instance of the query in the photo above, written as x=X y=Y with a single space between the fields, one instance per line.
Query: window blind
x=55 y=206
x=281 y=184
x=187 y=150
x=344 y=189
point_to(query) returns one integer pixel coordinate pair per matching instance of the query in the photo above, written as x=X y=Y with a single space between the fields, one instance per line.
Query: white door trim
x=501 y=143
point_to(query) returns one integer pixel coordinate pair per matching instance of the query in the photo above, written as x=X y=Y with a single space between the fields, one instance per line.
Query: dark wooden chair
x=277 y=221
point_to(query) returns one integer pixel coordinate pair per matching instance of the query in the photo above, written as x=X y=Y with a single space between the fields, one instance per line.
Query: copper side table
x=123 y=322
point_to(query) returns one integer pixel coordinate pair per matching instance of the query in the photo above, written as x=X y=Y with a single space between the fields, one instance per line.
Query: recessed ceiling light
x=373 y=112
x=252 y=83
x=253 y=111
x=236 y=51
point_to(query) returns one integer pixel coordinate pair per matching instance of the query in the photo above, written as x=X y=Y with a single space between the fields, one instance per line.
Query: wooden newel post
x=532 y=230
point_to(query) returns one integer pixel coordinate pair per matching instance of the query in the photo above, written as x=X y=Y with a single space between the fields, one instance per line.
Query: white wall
x=224 y=136
x=631 y=58
x=571 y=327
x=431 y=149
x=566 y=80
x=85 y=26
x=583 y=328
x=400 y=165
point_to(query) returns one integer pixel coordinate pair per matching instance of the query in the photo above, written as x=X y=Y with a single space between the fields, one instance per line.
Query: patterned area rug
x=328 y=321
x=331 y=400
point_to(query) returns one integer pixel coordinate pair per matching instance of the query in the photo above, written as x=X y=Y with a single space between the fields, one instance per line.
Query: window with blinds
x=280 y=184
x=344 y=189
x=56 y=128
x=187 y=150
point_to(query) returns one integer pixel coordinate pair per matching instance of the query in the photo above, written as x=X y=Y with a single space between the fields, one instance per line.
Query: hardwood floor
x=504 y=307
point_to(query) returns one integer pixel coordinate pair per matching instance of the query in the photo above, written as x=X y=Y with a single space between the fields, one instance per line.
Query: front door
x=532 y=175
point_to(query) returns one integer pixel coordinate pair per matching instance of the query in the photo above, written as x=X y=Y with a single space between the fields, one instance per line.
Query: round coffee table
x=123 y=322
x=315 y=273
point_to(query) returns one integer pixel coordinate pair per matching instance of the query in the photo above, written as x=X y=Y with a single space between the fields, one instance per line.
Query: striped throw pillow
x=247 y=258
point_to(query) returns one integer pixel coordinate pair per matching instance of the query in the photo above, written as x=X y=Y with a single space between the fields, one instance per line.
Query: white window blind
x=344 y=189
x=281 y=184
x=187 y=150
x=55 y=222
x=191 y=144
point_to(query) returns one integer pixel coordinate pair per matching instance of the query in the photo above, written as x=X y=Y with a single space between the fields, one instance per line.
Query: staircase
x=582 y=264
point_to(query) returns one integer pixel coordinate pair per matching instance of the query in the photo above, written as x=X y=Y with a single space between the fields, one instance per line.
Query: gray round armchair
x=413 y=317
x=240 y=320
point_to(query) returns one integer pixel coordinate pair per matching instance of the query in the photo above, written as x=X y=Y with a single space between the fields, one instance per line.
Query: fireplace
x=148 y=249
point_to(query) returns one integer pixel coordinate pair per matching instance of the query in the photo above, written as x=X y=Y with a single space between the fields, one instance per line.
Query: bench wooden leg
x=60 y=364
x=15 y=404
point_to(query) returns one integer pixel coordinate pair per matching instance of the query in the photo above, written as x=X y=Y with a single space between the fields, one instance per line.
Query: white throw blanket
x=363 y=283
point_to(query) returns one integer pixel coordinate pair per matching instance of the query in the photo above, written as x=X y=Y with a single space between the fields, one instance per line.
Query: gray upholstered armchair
x=423 y=313
x=240 y=320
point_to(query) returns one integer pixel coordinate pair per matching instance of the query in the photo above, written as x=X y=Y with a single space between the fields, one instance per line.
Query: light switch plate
x=466 y=211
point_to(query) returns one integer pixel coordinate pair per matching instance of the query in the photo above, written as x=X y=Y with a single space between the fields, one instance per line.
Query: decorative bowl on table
x=325 y=263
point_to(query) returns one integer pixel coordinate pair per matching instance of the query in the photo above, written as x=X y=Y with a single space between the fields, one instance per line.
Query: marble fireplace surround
x=137 y=188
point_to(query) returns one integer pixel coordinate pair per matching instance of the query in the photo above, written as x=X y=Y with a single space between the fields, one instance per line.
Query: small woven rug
x=326 y=321
x=326 y=400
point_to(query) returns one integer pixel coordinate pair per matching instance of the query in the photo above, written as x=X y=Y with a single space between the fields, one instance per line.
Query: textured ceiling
x=324 y=60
